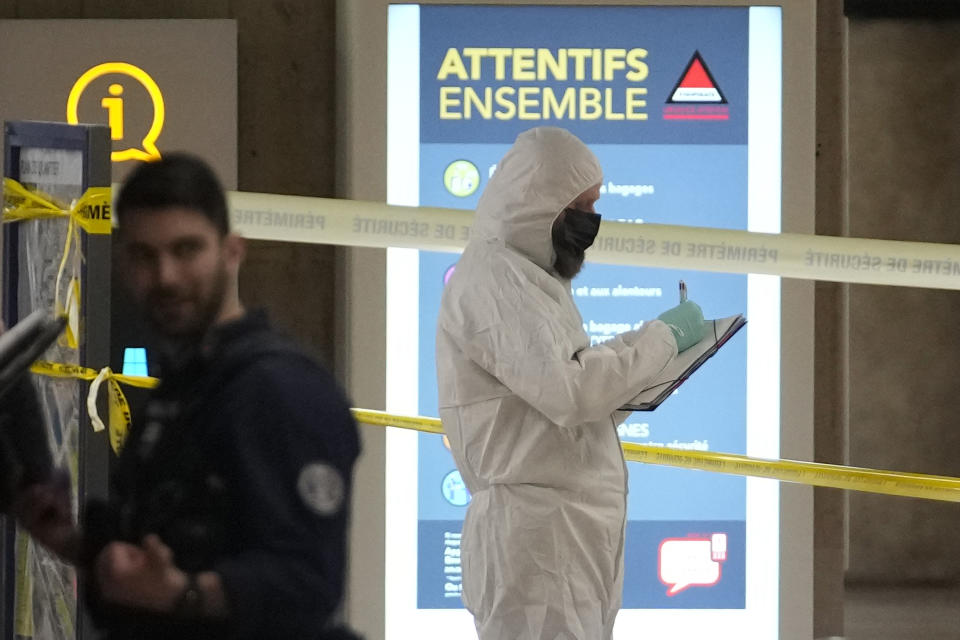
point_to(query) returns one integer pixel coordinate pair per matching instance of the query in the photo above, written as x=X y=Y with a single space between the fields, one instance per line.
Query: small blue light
x=135 y=361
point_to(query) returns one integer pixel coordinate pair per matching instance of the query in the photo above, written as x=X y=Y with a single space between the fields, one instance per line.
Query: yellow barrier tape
x=23 y=613
x=371 y=224
x=893 y=483
x=59 y=370
x=91 y=211
x=383 y=419
x=71 y=308
x=119 y=417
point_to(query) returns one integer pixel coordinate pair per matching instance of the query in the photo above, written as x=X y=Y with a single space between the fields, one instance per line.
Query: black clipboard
x=719 y=331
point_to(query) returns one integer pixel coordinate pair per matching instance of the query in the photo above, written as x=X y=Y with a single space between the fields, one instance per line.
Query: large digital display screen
x=682 y=106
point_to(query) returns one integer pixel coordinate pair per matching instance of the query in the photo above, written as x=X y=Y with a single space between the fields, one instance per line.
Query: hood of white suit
x=543 y=172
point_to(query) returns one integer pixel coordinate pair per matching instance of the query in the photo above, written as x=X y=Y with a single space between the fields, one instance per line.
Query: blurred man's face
x=177 y=267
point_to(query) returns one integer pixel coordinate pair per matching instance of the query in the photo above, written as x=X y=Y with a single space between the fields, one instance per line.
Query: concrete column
x=830 y=382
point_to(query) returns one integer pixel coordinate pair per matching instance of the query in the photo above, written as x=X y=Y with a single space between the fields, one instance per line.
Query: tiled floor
x=885 y=613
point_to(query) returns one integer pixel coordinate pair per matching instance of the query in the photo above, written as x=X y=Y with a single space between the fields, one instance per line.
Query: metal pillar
x=25 y=145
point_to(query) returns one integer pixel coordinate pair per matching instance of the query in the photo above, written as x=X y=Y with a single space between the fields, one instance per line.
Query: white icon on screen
x=691 y=562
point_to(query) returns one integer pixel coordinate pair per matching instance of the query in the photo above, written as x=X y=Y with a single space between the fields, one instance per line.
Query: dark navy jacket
x=241 y=464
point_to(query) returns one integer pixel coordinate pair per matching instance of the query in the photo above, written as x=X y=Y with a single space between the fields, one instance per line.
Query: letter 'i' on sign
x=114 y=107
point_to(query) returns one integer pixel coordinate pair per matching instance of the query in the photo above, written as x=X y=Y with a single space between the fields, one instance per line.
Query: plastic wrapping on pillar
x=49 y=276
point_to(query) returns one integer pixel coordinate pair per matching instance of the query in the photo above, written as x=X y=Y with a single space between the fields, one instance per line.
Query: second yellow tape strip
x=893 y=483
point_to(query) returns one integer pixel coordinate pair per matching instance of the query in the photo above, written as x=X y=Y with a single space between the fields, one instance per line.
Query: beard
x=179 y=314
x=568 y=258
x=568 y=261
x=573 y=232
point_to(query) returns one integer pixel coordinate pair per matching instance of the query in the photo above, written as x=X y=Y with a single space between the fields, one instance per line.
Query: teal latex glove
x=686 y=322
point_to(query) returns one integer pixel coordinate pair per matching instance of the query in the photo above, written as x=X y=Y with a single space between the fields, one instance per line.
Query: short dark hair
x=176 y=180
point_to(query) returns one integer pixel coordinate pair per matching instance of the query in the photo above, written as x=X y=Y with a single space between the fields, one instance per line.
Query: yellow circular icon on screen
x=461 y=178
x=114 y=106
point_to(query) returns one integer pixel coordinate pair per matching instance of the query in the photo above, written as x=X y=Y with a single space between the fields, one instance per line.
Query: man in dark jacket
x=228 y=506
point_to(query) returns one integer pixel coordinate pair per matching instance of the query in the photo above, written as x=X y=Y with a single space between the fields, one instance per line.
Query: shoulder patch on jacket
x=321 y=487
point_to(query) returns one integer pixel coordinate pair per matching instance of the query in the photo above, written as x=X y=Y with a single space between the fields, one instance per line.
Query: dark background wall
x=286 y=133
x=904 y=184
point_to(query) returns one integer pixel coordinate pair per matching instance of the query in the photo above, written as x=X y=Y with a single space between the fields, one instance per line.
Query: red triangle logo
x=696 y=76
x=696 y=84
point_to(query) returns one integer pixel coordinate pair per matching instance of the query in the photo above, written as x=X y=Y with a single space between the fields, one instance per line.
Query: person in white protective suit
x=530 y=407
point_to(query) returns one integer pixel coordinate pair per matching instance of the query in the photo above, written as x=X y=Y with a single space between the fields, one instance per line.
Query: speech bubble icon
x=148 y=146
x=687 y=562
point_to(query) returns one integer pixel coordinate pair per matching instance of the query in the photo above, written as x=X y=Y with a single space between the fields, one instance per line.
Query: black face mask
x=571 y=238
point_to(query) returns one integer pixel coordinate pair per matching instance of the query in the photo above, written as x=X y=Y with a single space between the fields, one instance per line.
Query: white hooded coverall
x=530 y=409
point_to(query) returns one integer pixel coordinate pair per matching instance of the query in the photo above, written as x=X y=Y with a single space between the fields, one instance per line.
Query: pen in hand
x=683 y=291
